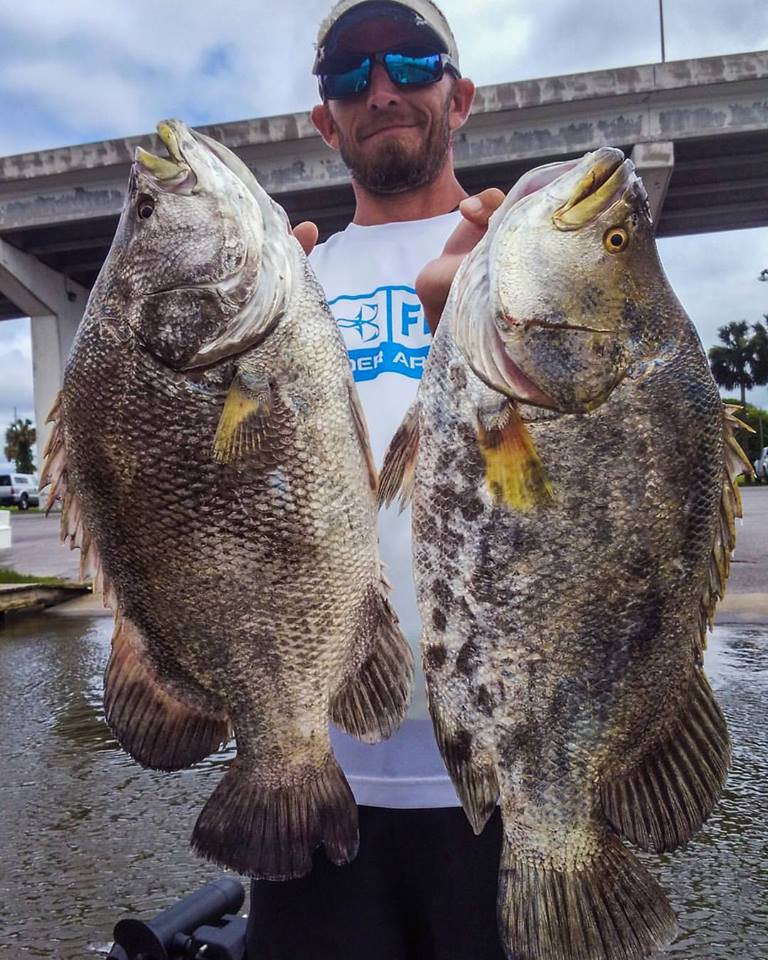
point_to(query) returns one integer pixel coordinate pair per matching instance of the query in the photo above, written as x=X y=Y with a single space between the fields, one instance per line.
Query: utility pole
x=661 y=30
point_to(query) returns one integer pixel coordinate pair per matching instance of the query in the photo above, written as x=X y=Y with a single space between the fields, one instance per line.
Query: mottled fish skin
x=249 y=592
x=563 y=636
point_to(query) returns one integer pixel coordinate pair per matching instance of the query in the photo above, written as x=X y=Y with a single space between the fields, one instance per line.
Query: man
x=422 y=886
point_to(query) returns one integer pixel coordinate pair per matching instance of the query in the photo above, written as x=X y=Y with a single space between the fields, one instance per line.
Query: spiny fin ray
x=72 y=529
x=361 y=429
x=398 y=474
x=736 y=462
x=662 y=802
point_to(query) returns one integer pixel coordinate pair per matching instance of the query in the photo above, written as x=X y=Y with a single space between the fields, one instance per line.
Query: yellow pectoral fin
x=514 y=472
x=243 y=419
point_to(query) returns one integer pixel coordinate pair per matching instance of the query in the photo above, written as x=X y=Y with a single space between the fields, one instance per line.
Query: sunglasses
x=353 y=74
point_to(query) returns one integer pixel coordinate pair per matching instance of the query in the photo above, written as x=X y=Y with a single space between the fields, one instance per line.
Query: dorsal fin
x=398 y=472
x=73 y=531
x=735 y=462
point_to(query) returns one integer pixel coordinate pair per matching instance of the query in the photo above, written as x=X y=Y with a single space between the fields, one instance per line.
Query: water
x=87 y=836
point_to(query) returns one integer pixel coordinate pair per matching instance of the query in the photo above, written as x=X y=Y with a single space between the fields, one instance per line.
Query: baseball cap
x=423 y=14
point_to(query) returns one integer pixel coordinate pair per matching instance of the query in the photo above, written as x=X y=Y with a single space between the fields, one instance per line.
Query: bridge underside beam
x=55 y=305
x=710 y=115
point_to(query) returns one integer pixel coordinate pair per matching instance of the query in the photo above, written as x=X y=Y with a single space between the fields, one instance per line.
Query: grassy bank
x=7 y=575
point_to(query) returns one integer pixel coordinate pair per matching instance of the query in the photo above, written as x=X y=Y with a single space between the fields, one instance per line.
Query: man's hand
x=306 y=233
x=434 y=281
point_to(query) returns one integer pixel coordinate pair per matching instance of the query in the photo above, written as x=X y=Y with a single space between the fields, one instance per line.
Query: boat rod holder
x=202 y=926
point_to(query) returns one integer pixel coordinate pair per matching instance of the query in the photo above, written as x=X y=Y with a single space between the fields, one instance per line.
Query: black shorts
x=422 y=887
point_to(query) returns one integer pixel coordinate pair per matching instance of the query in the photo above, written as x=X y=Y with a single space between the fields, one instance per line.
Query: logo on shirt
x=364 y=322
x=385 y=331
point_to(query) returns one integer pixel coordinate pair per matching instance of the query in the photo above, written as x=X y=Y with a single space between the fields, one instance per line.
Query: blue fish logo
x=364 y=322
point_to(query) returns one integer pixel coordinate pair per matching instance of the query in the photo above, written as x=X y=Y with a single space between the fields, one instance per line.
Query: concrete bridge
x=696 y=129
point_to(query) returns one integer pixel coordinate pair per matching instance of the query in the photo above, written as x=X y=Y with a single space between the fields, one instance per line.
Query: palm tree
x=760 y=362
x=19 y=440
x=740 y=362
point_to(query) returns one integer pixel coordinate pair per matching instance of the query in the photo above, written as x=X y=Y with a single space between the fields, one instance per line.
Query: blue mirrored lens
x=404 y=70
x=349 y=83
x=408 y=71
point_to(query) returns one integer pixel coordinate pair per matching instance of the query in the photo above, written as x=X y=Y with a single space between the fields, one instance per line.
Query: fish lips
x=593 y=187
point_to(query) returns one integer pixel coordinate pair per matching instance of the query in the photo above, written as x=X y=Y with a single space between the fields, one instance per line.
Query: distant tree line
x=19 y=443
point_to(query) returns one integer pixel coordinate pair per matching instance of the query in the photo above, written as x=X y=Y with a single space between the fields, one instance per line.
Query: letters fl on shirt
x=385 y=331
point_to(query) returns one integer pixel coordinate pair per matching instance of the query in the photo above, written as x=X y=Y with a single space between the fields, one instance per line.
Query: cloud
x=88 y=70
x=85 y=69
x=15 y=374
x=715 y=277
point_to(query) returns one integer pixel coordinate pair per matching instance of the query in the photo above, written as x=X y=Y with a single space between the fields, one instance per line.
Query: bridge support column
x=55 y=305
x=655 y=163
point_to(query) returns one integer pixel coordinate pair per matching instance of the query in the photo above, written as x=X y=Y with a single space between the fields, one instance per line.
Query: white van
x=17 y=489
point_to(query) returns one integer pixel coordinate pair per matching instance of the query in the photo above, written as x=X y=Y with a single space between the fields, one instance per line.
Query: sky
x=85 y=70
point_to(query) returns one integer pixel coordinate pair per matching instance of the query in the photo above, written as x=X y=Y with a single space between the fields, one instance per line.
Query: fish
x=215 y=471
x=572 y=473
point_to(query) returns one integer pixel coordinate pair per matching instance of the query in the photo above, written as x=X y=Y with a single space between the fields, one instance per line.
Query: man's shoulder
x=324 y=248
x=362 y=259
x=433 y=230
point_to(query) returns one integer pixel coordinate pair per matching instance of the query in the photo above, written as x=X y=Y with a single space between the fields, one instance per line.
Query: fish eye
x=615 y=239
x=145 y=206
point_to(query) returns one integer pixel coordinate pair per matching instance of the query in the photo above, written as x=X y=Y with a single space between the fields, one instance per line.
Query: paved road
x=749 y=571
x=37 y=549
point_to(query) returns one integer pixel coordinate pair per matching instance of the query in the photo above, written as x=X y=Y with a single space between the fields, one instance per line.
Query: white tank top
x=368 y=275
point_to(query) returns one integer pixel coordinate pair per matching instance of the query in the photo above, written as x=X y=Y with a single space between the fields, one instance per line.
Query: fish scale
x=215 y=468
x=570 y=466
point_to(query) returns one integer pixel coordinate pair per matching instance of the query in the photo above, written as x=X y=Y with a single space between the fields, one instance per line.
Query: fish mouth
x=607 y=177
x=171 y=173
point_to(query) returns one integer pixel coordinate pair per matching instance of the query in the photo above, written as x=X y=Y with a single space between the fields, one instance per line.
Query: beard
x=396 y=167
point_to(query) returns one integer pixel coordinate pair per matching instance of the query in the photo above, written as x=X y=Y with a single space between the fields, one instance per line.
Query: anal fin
x=373 y=702
x=155 y=727
x=663 y=801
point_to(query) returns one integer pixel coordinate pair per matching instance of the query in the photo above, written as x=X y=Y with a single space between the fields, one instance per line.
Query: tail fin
x=372 y=704
x=269 y=832
x=608 y=909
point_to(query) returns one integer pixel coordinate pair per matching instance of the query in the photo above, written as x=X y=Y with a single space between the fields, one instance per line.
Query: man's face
x=392 y=139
